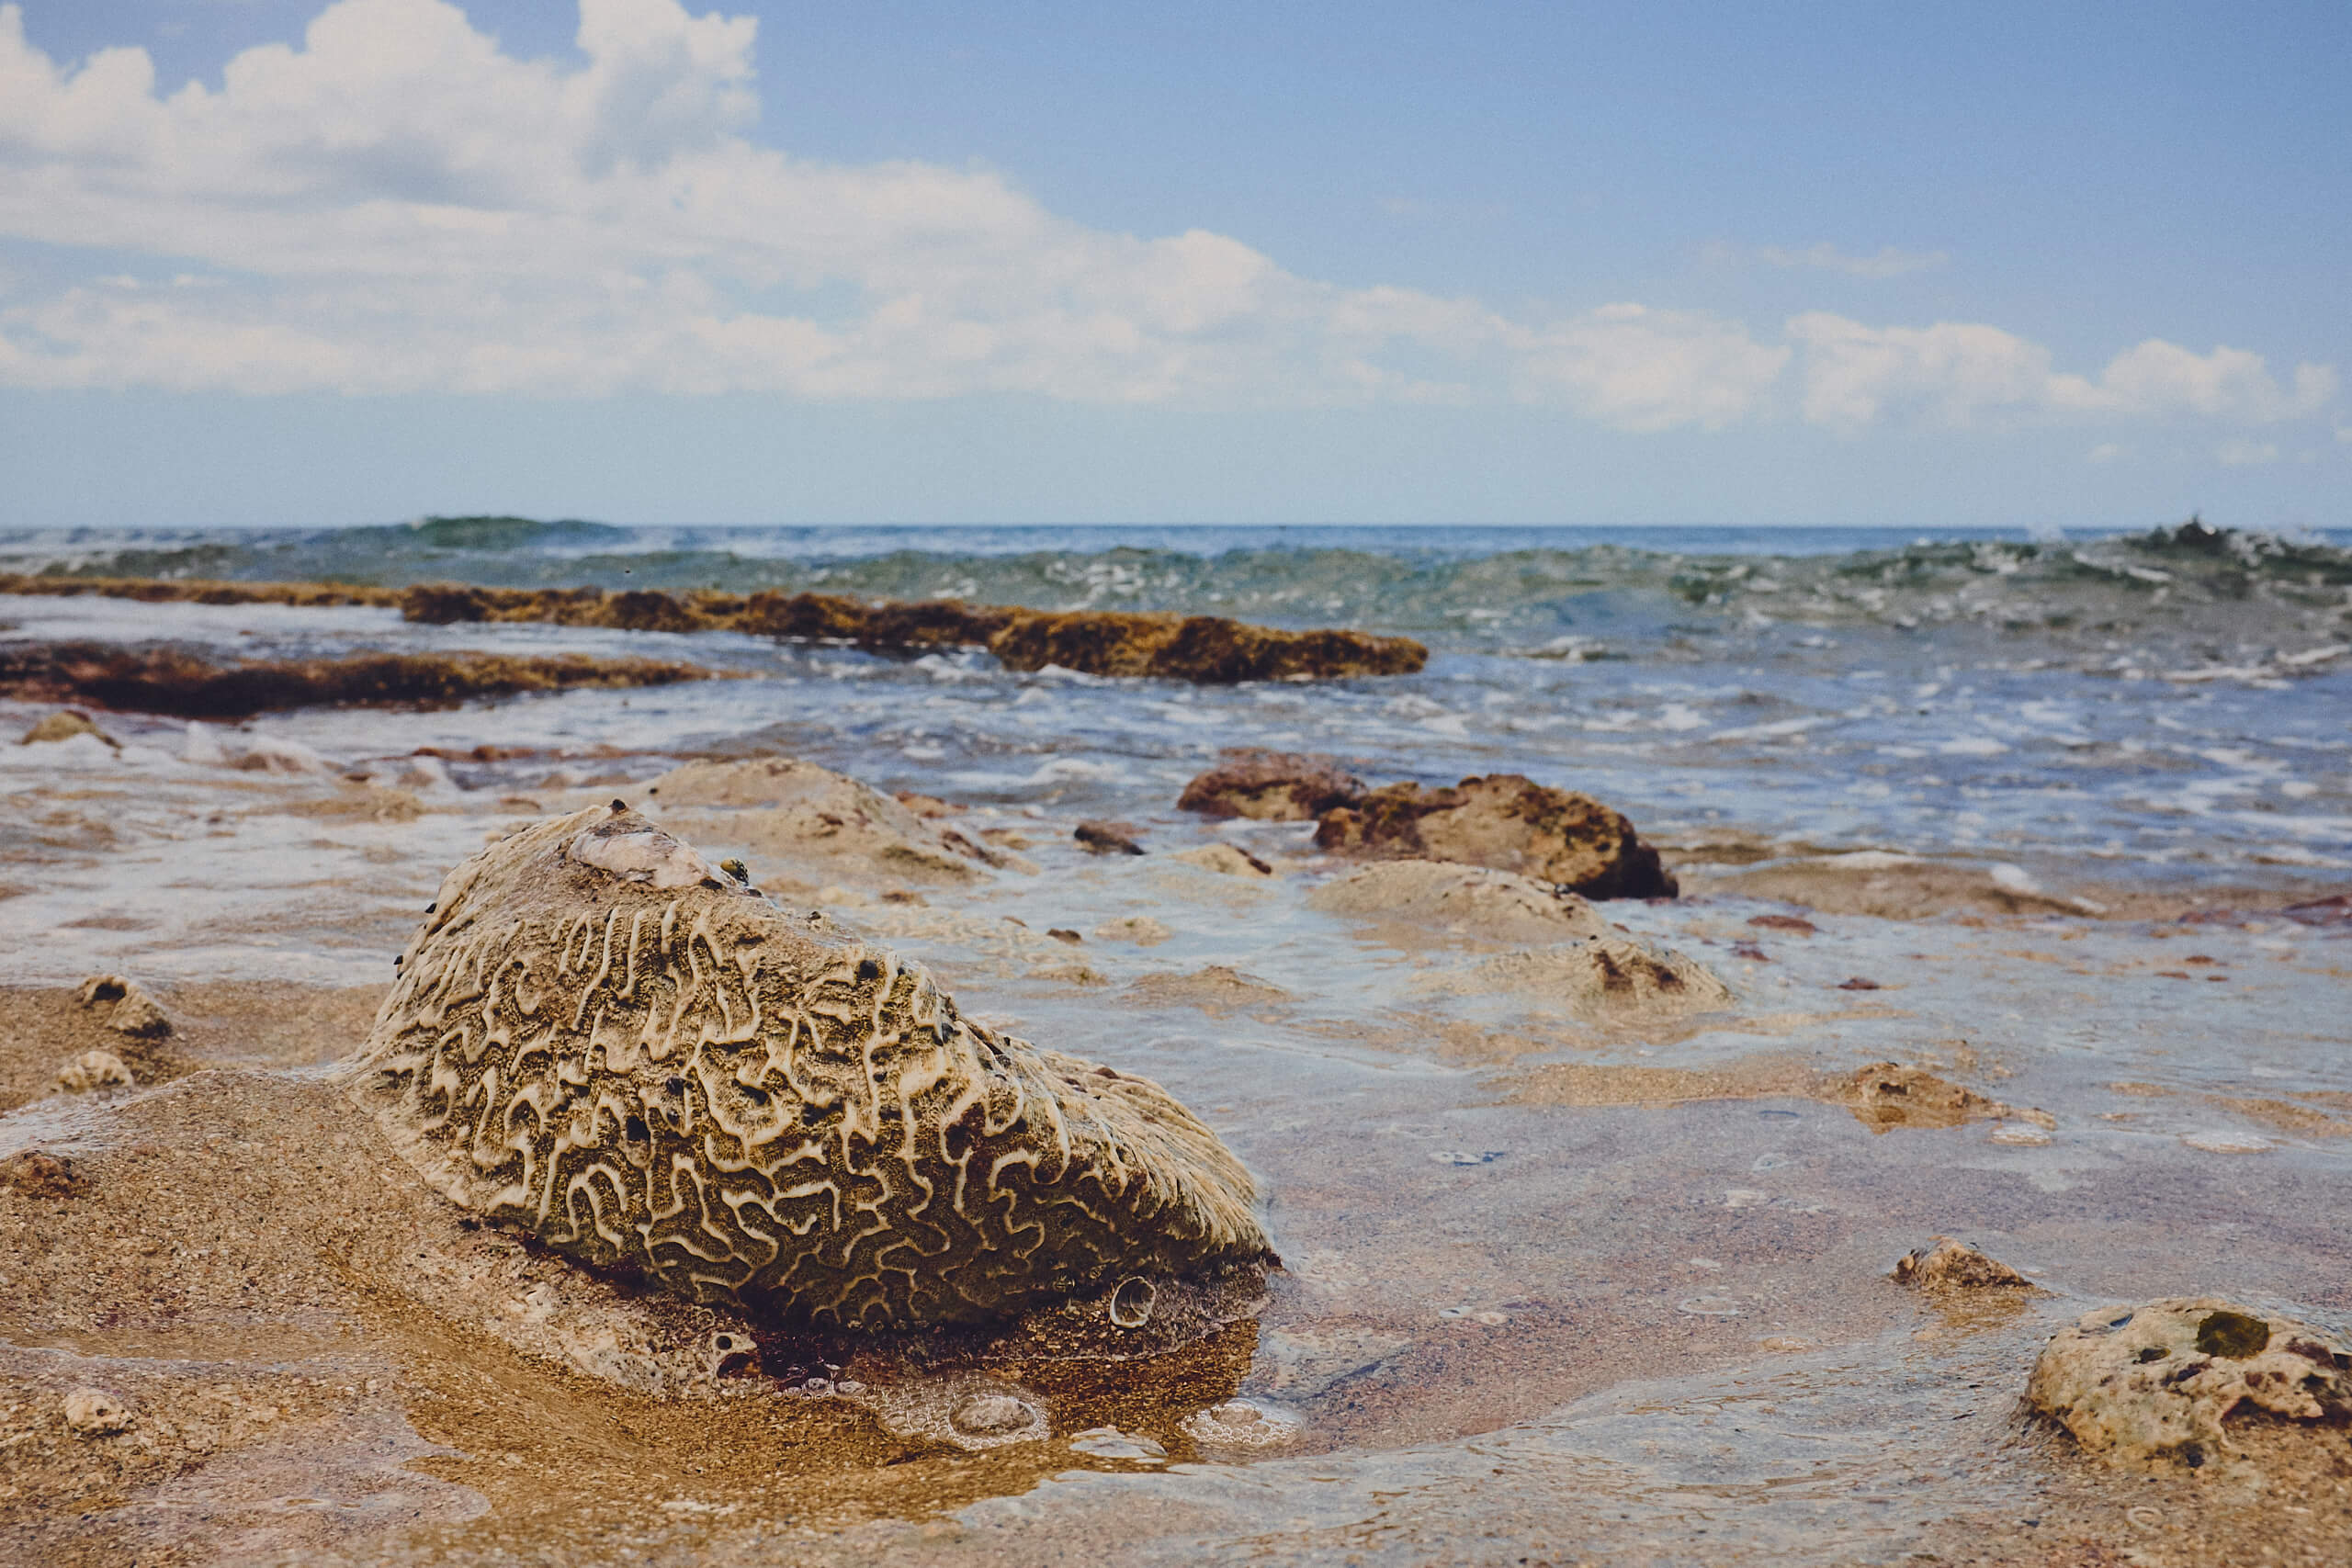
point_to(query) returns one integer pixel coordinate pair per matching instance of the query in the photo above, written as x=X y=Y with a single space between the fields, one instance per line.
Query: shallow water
x=1560 y=1286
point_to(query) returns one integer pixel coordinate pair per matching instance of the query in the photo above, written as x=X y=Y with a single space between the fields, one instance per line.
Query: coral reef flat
x=1953 y=1172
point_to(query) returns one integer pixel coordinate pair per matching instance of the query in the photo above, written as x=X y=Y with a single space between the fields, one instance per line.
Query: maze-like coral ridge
x=600 y=1040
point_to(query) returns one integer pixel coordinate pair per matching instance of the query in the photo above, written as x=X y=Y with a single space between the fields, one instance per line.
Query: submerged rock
x=1609 y=976
x=1467 y=902
x=603 y=1041
x=1510 y=823
x=816 y=824
x=1886 y=1095
x=1956 y=1265
x=1107 y=839
x=2164 y=1380
x=64 y=724
x=1272 y=787
x=1225 y=860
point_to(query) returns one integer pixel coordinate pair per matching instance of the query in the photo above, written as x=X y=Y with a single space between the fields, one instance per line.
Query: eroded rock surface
x=1508 y=822
x=1610 y=975
x=601 y=1040
x=1275 y=787
x=1886 y=1095
x=2165 y=1381
x=801 y=825
x=1470 y=903
x=1950 y=1265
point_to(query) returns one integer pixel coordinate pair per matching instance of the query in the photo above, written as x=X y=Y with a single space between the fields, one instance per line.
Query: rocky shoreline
x=1211 y=649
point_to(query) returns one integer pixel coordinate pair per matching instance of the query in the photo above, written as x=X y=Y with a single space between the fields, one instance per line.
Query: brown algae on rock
x=1271 y=787
x=601 y=1040
x=2165 y=1380
x=1509 y=822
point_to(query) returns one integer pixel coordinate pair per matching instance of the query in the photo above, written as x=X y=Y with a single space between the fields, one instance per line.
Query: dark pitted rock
x=2168 y=1381
x=1271 y=787
x=1950 y=1265
x=1509 y=822
x=187 y=685
x=601 y=1040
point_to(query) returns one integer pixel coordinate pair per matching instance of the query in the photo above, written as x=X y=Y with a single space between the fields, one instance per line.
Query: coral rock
x=92 y=1071
x=2160 y=1381
x=1273 y=786
x=1956 y=1265
x=1508 y=822
x=94 y=1412
x=601 y=1040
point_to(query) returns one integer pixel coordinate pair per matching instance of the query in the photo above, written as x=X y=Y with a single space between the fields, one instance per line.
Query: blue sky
x=1046 y=262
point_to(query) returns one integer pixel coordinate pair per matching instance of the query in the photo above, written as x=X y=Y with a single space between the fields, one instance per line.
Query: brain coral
x=600 y=1039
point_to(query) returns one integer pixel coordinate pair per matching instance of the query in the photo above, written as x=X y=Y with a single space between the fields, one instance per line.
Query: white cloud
x=1888 y=263
x=1962 y=373
x=2105 y=452
x=2246 y=454
x=399 y=205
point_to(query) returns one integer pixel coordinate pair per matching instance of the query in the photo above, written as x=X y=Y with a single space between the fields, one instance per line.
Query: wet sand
x=1561 y=1286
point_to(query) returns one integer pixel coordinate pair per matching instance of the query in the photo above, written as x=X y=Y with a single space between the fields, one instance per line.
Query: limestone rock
x=813 y=825
x=94 y=1412
x=2162 y=1381
x=1275 y=787
x=64 y=724
x=1141 y=930
x=1956 y=1265
x=1886 y=1095
x=601 y=1040
x=130 y=1008
x=93 y=1071
x=1605 y=975
x=1462 y=901
x=1225 y=860
x=1510 y=823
